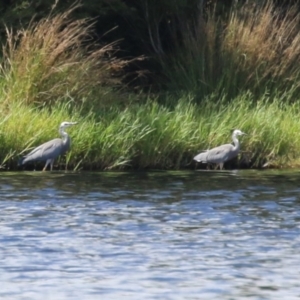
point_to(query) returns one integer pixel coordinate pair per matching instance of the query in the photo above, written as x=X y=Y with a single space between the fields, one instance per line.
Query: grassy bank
x=51 y=72
x=154 y=136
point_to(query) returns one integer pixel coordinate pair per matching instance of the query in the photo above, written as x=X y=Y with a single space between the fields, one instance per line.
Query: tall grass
x=154 y=136
x=254 y=48
x=56 y=56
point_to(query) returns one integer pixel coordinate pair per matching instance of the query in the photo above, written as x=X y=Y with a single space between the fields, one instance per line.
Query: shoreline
x=152 y=136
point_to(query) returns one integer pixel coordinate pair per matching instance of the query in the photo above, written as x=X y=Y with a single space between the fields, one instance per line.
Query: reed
x=56 y=58
x=254 y=48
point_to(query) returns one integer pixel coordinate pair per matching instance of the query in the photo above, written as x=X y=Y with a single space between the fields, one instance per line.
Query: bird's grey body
x=219 y=155
x=49 y=151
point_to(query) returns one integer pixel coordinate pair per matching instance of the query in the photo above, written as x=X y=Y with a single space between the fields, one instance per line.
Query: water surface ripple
x=156 y=235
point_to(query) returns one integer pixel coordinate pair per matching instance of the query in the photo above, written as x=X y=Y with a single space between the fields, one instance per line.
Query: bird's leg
x=51 y=164
x=221 y=166
x=47 y=163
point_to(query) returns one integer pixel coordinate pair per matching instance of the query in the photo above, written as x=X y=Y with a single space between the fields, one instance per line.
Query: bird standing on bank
x=219 y=155
x=49 y=151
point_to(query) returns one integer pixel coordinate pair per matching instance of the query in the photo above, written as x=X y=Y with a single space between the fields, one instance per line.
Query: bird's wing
x=220 y=154
x=201 y=157
x=45 y=151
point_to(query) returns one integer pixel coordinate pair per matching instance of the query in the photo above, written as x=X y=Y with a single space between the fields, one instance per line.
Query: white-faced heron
x=49 y=151
x=223 y=153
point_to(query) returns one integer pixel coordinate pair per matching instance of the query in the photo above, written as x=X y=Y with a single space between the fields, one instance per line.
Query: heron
x=219 y=155
x=50 y=150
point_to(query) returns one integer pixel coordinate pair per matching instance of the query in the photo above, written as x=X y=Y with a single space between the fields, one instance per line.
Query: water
x=177 y=235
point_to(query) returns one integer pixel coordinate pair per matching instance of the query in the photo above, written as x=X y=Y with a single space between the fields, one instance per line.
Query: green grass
x=154 y=136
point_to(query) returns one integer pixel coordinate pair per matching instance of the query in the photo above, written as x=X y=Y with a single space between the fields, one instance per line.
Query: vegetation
x=254 y=48
x=154 y=136
x=54 y=57
x=217 y=77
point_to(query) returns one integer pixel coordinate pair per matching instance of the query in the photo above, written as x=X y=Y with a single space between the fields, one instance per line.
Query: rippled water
x=161 y=235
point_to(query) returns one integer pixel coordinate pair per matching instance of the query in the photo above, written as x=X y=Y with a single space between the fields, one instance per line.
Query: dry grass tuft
x=264 y=42
x=255 y=48
x=55 y=57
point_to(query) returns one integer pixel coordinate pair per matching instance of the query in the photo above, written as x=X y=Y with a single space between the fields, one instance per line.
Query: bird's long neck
x=235 y=142
x=64 y=135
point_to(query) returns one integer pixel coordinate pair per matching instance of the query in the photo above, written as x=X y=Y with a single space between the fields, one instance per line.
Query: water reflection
x=166 y=235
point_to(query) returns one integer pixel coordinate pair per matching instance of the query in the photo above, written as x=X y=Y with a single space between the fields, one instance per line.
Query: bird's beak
x=73 y=123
